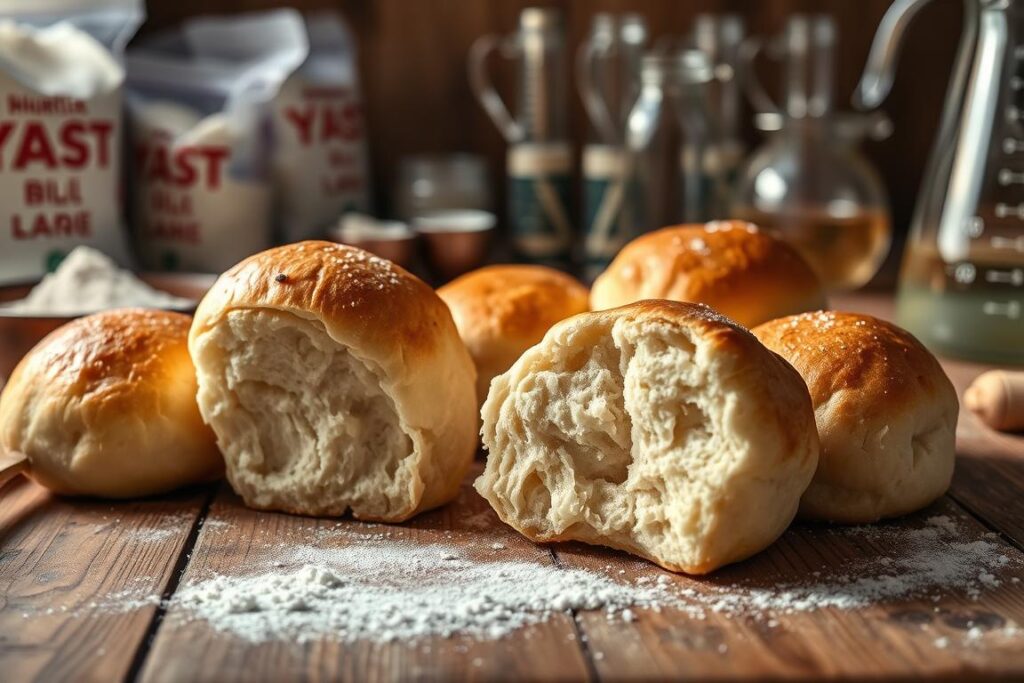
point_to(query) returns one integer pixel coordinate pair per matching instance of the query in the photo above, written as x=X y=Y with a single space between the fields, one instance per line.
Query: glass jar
x=810 y=184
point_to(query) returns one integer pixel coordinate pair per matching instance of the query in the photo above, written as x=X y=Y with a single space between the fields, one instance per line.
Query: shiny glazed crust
x=732 y=266
x=105 y=405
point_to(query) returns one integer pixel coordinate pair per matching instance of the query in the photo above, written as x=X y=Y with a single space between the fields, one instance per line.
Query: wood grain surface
x=235 y=540
x=62 y=559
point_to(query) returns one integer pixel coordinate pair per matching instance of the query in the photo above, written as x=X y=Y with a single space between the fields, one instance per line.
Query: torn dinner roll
x=658 y=428
x=885 y=410
x=335 y=381
x=732 y=266
x=503 y=310
x=106 y=406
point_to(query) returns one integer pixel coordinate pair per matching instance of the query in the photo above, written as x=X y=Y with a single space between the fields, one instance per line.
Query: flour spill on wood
x=349 y=586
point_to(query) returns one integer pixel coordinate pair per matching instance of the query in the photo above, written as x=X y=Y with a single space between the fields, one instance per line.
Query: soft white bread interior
x=335 y=381
x=739 y=270
x=886 y=414
x=503 y=310
x=659 y=428
x=105 y=406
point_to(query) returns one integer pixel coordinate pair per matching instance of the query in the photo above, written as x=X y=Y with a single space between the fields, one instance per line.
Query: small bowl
x=392 y=240
x=457 y=240
x=19 y=332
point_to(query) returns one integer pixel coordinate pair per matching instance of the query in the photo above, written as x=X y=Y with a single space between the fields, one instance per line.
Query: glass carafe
x=962 y=281
x=810 y=184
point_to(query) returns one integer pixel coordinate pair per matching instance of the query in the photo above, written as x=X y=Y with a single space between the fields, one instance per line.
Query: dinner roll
x=740 y=271
x=886 y=414
x=659 y=428
x=503 y=310
x=334 y=381
x=106 y=406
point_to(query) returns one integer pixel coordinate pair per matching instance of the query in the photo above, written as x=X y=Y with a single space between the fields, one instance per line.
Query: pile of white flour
x=383 y=589
x=386 y=590
x=87 y=281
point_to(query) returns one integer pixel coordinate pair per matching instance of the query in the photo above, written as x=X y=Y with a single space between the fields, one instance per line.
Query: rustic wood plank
x=989 y=474
x=61 y=558
x=236 y=540
x=900 y=639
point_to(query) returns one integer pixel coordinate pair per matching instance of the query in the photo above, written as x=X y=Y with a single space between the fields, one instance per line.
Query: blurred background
x=413 y=63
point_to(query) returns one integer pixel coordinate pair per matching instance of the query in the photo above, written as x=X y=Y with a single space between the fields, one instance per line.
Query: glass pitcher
x=809 y=183
x=962 y=281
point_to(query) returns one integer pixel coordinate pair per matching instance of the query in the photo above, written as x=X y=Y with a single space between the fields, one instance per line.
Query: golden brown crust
x=103 y=359
x=885 y=410
x=519 y=301
x=377 y=302
x=858 y=353
x=105 y=405
x=732 y=266
x=503 y=310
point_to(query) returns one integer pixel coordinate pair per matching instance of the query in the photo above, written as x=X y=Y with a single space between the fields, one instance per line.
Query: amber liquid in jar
x=845 y=251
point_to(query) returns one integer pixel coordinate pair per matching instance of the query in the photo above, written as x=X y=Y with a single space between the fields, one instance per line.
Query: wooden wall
x=413 y=60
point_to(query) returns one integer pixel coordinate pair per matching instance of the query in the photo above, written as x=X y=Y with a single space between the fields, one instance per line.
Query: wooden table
x=60 y=557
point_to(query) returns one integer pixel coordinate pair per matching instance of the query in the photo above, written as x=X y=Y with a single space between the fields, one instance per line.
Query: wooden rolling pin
x=997 y=398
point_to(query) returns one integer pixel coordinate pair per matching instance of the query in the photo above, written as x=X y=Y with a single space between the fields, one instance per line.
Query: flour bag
x=198 y=98
x=320 y=163
x=61 y=80
x=316 y=123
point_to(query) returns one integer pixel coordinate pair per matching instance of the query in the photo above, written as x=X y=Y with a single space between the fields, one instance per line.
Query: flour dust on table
x=350 y=583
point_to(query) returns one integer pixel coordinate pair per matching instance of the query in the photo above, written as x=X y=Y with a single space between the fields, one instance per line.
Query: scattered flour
x=376 y=588
x=388 y=591
x=87 y=281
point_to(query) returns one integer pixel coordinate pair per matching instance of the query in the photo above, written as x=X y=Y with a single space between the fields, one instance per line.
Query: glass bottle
x=668 y=127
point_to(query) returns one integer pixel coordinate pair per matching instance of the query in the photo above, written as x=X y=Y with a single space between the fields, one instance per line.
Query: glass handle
x=593 y=102
x=483 y=89
x=749 y=51
x=876 y=82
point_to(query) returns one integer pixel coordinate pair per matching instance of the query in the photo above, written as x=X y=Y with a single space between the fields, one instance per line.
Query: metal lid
x=540 y=18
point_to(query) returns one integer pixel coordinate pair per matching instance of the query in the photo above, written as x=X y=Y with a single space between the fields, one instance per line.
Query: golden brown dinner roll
x=659 y=428
x=106 y=406
x=335 y=381
x=503 y=310
x=740 y=271
x=886 y=414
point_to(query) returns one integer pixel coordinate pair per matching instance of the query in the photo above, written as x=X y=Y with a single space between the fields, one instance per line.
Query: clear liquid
x=972 y=310
x=845 y=252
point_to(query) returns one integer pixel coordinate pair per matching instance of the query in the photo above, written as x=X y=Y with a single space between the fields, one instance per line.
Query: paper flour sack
x=61 y=79
x=320 y=162
x=202 y=193
x=316 y=123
